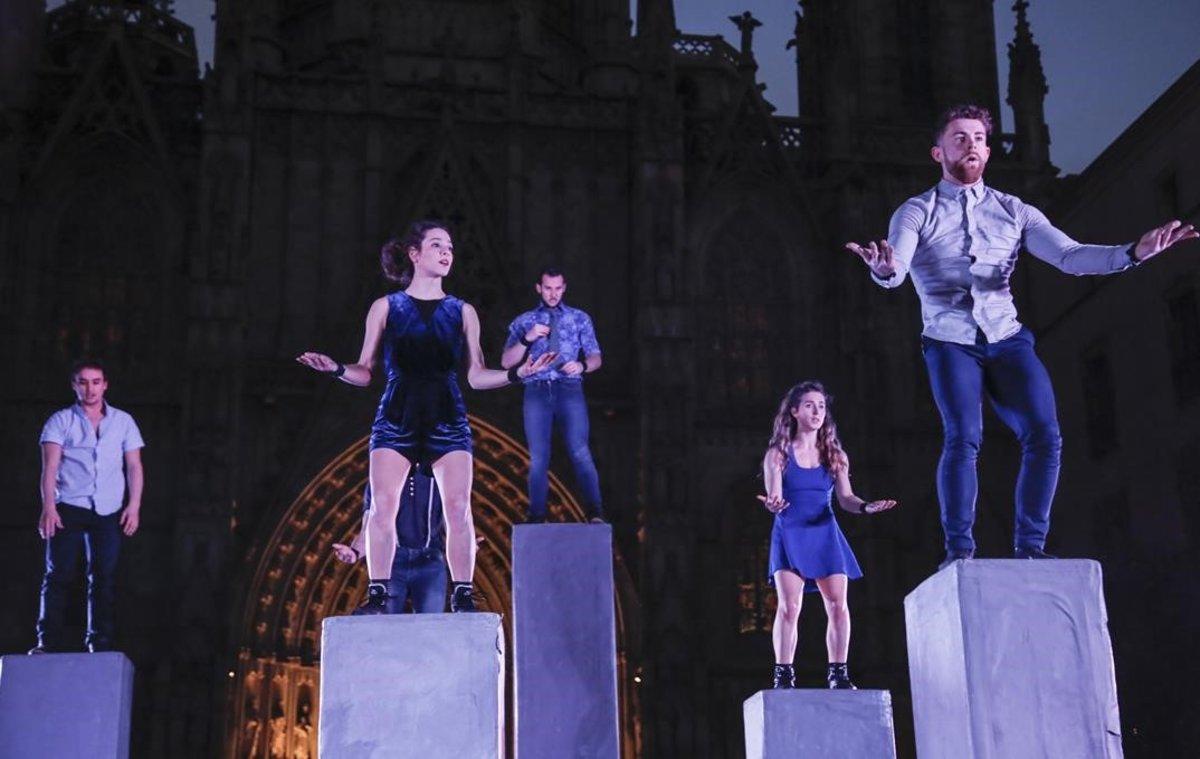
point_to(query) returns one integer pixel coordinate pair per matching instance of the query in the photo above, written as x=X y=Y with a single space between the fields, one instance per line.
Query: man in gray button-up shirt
x=90 y=452
x=959 y=241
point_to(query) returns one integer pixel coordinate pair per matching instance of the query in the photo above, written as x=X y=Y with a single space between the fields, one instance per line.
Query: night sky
x=1106 y=60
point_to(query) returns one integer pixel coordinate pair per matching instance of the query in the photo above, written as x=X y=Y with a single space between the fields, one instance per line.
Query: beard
x=966 y=172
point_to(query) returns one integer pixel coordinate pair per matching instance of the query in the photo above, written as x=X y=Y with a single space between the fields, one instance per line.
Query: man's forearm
x=49 y=479
x=134 y=480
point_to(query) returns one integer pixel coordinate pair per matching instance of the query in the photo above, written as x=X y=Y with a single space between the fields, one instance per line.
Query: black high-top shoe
x=460 y=598
x=839 y=678
x=785 y=676
x=377 y=598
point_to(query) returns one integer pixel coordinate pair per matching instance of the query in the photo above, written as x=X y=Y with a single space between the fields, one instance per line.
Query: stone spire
x=746 y=24
x=1027 y=93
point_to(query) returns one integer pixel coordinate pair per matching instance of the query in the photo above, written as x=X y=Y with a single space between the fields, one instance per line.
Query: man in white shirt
x=91 y=452
x=959 y=241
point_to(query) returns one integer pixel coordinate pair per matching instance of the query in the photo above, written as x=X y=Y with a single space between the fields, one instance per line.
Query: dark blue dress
x=806 y=537
x=421 y=414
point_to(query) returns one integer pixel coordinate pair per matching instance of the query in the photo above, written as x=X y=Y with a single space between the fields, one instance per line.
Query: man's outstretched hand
x=1160 y=238
x=879 y=256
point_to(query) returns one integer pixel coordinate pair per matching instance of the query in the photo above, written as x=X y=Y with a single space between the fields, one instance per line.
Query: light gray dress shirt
x=91 y=474
x=960 y=244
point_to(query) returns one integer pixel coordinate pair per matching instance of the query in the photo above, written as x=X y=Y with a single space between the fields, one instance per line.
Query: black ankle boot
x=785 y=676
x=377 y=598
x=839 y=678
x=460 y=598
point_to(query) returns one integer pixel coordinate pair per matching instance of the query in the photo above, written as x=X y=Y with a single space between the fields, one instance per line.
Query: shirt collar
x=560 y=308
x=952 y=190
x=78 y=408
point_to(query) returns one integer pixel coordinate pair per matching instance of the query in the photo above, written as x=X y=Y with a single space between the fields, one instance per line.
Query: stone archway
x=273 y=698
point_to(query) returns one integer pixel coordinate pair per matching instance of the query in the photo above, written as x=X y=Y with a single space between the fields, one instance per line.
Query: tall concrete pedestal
x=63 y=706
x=1012 y=659
x=428 y=686
x=819 y=724
x=564 y=642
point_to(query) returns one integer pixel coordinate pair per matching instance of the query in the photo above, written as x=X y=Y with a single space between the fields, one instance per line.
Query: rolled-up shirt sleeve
x=515 y=331
x=587 y=337
x=904 y=234
x=55 y=429
x=133 y=437
x=1056 y=248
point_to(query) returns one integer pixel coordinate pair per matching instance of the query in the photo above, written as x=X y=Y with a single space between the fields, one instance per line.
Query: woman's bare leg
x=389 y=472
x=789 y=588
x=453 y=473
x=837 y=633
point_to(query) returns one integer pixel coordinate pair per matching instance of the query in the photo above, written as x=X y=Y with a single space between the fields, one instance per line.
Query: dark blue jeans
x=561 y=403
x=420 y=575
x=99 y=537
x=1016 y=382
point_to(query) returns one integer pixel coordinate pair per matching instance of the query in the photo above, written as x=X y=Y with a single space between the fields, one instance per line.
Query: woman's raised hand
x=318 y=361
x=533 y=366
x=774 y=503
x=874 y=507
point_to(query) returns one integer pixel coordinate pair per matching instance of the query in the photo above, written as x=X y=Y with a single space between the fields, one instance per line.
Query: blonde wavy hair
x=783 y=431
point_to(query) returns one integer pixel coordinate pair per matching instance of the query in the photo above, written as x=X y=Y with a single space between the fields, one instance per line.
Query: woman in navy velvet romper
x=422 y=420
x=804 y=468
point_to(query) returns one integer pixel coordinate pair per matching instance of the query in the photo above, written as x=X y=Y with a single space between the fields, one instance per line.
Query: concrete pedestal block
x=821 y=724
x=1011 y=658
x=564 y=642
x=62 y=706
x=412 y=685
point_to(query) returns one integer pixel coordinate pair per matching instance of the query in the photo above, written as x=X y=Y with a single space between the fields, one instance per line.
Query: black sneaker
x=461 y=599
x=376 y=603
x=1025 y=552
x=99 y=646
x=37 y=650
x=534 y=519
x=953 y=556
x=838 y=678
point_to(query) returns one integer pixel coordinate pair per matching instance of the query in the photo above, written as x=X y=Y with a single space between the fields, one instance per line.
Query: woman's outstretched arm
x=358 y=374
x=479 y=377
x=852 y=503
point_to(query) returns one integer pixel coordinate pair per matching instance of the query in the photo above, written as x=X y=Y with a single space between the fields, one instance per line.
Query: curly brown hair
x=963 y=111
x=393 y=257
x=783 y=431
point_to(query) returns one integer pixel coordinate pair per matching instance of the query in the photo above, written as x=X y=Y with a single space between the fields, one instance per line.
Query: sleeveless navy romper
x=806 y=538
x=421 y=414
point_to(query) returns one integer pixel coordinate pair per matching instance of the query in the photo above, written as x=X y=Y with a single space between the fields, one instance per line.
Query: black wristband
x=338 y=372
x=524 y=342
x=1132 y=253
x=513 y=375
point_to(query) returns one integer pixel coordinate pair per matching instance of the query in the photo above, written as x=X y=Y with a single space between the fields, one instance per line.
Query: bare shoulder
x=468 y=311
x=773 y=457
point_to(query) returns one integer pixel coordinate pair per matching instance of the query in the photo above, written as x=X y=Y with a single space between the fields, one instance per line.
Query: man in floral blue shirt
x=555 y=395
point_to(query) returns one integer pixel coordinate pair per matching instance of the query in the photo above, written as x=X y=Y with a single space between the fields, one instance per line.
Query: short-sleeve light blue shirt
x=91 y=474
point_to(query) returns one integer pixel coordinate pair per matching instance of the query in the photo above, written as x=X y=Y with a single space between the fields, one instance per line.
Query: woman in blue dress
x=422 y=420
x=804 y=468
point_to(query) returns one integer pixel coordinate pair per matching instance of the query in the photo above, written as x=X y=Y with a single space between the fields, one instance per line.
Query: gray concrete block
x=1012 y=658
x=821 y=724
x=564 y=642
x=61 y=706
x=412 y=685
